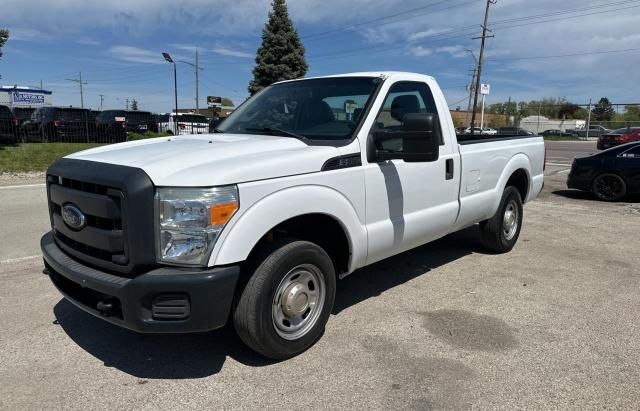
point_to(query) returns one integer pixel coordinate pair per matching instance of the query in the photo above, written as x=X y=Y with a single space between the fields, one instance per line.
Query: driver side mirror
x=418 y=140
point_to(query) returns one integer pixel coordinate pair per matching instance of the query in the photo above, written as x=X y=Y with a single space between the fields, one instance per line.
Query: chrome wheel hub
x=510 y=220
x=298 y=301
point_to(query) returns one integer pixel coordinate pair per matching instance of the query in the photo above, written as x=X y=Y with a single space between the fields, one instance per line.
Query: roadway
x=552 y=324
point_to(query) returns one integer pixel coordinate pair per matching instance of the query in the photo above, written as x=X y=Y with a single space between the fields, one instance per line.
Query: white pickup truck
x=304 y=183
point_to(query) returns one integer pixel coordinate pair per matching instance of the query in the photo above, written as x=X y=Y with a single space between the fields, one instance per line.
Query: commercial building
x=17 y=96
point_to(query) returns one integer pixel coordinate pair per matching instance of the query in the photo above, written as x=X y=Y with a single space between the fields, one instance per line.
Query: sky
x=575 y=49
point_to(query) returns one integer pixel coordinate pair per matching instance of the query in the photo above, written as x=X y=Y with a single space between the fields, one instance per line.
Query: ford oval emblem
x=73 y=217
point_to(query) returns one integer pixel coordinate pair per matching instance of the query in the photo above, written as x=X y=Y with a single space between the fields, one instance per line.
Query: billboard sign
x=214 y=101
x=26 y=98
x=484 y=89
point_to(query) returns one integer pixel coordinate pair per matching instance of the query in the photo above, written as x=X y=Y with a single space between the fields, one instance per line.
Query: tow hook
x=105 y=307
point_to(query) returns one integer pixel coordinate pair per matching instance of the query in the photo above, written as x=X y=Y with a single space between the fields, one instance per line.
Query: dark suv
x=58 y=124
x=140 y=121
x=110 y=126
x=22 y=114
x=8 y=125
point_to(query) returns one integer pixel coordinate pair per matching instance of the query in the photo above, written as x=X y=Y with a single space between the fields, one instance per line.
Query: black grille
x=83 y=248
x=102 y=237
x=117 y=202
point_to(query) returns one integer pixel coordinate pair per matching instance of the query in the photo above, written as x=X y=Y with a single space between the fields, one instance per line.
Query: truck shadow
x=377 y=278
x=186 y=356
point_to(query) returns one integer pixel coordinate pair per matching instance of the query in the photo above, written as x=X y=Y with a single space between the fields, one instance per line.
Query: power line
x=563 y=55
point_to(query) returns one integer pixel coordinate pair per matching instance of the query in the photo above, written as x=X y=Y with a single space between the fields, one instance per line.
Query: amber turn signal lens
x=221 y=213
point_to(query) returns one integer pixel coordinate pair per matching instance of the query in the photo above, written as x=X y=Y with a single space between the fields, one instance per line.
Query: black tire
x=609 y=187
x=254 y=316
x=498 y=233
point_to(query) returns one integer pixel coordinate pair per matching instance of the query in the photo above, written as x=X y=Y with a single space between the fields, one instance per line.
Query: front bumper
x=153 y=302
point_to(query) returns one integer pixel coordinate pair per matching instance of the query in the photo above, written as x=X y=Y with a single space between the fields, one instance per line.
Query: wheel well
x=520 y=180
x=320 y=229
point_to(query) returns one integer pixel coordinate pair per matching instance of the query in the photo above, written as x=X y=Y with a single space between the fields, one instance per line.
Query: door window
x=404 y=98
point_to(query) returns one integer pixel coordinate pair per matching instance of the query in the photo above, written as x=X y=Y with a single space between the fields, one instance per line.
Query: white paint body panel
x=384 y=208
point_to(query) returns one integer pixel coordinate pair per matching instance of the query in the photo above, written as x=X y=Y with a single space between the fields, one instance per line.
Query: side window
x=404 y=98
x=632 y=153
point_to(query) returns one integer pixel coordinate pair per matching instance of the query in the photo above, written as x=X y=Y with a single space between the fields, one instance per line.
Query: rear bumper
x=164 y=300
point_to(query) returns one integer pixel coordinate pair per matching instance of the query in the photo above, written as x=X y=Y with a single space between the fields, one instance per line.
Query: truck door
x=409 y=203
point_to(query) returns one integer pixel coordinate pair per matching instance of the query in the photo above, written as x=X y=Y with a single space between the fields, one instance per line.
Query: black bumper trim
x=209 y=291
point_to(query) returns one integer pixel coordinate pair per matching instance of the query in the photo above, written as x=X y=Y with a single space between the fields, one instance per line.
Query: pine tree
x=4 y=36
x=603 y=111
x=281 y=55
x=134 y=105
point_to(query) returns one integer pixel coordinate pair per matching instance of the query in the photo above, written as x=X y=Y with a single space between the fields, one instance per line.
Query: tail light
x=56 y=123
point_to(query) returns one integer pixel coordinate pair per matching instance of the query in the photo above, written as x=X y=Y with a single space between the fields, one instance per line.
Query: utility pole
x=127 y=102
x=101 y=100
x=506 y=111
x=79 y=81
x=479 y=74
x=40 y=84
x=197 y=85
x=588 y=120
x=197 y=69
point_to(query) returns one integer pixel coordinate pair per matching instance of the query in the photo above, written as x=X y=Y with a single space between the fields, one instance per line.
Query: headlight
x=190 y=221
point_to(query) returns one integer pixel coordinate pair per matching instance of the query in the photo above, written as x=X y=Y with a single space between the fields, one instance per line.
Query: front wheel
x=500 y=233
x=286 y=303
x=609 y=187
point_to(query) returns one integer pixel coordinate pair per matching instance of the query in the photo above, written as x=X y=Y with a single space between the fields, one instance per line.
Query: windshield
x=318 y=109
x=23 y=113
x=138 y=116
x=69 y=114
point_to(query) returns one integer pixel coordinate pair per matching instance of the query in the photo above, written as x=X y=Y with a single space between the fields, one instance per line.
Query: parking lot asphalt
x=552 y=324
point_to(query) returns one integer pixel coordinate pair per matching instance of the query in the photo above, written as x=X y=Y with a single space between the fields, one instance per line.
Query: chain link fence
x=74 y=125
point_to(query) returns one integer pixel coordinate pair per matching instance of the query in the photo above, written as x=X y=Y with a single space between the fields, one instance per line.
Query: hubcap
x=298 y=301
x=510 y=220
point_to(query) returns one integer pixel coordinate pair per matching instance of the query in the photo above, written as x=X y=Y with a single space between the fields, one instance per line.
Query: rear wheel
x=500 y=233
x=286 y=303
x=609 y=187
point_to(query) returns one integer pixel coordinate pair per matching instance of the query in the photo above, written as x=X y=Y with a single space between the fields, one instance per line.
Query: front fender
x=269 y=211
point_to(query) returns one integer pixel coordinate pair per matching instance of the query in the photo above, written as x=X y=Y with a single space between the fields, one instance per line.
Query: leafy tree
x=632 y=113
x=4 y=36
x=281 y=55
x=568 y=110
x=603 y=111
x=134 y=105
x=227 y=102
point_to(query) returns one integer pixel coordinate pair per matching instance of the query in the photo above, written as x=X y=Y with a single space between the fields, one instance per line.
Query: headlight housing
x=189 y=221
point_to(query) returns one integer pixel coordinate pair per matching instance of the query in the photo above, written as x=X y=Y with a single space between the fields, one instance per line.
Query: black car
x=513 y=131
x=111 y=126
x=8 y=125
x=58 y=124
x=556 y=132
x=610 y=175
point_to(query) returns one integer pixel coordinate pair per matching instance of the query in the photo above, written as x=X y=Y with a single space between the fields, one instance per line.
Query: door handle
x=449 y=169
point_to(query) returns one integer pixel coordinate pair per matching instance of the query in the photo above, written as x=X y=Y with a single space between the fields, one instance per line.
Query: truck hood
x=214 y=159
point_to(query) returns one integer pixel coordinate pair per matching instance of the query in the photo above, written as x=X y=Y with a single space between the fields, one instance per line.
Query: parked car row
x=618 y=137
x=72 y=124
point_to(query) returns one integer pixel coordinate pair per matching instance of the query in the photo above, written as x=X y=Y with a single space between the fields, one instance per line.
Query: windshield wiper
x=278 y=132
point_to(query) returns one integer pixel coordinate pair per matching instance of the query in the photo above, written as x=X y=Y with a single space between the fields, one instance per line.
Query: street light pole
x=168 y=58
